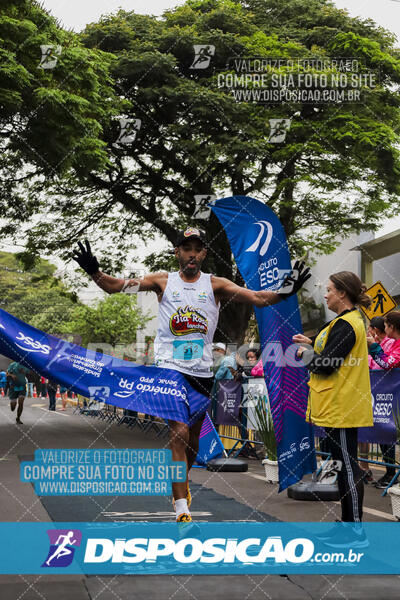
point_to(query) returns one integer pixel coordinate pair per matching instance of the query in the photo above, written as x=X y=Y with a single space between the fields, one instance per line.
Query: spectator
x=255 y=368
x=3 y=382
x=219 y=351
x=18 y=373
x=43 y=388
x=227 y=368
x=384 y=348
x=376 y=330
x=340 y=392
x=63 y=392
x=30 y=383
x=52 y=391
x=389 y=358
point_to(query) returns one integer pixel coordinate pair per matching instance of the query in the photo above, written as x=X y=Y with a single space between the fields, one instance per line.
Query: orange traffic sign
x=382 y=301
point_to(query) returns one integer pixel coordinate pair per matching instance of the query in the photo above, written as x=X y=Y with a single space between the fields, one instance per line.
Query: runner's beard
x=190 y=270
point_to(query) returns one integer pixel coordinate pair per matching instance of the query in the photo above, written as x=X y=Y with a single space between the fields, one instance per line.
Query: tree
x=50 y=118
x=35 y=296
x=337 y=172
x=114 y=320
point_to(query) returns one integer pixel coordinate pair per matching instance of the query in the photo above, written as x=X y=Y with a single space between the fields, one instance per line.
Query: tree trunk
x=234 y=317
x=233 y=322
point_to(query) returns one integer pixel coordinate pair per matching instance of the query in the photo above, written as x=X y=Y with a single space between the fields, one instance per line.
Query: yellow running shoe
x=184 y=518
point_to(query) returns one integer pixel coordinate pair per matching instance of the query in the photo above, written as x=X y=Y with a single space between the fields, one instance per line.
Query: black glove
x=85 y=258
x=294 y=280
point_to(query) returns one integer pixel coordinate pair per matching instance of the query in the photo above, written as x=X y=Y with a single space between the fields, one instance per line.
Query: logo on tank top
x=319 y=342
x=202 y=297
x=188 y=320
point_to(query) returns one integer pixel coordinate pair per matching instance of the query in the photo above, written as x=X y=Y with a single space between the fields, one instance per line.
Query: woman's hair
x=393 y=318
x=349 y=282
x=378 y=323
x=255 y=351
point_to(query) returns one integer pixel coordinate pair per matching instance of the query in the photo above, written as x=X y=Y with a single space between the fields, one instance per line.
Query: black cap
x=191 y=233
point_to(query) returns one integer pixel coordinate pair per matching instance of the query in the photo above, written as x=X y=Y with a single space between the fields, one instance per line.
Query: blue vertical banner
x=259 y=245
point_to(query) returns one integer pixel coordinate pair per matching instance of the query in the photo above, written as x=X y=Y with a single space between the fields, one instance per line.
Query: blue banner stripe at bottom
x=199 y=548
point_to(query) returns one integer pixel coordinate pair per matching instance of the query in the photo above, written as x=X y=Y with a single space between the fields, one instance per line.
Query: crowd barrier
x=237 y=432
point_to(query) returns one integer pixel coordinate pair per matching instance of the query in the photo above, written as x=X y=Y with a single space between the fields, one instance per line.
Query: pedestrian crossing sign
x=382 y=301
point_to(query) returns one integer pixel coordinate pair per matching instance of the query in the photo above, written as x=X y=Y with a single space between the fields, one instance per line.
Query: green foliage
x=265 y=428
x=336 y=174
x=51 y=119
x=34 y=296
x=114 y=320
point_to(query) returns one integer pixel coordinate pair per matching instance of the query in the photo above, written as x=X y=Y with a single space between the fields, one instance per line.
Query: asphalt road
x=216 y=496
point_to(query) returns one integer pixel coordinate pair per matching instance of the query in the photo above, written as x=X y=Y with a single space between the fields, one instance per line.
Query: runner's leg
x=20 y=408
x=179 y=439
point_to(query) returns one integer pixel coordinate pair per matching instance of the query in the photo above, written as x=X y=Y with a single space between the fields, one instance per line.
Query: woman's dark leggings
x=343 y=446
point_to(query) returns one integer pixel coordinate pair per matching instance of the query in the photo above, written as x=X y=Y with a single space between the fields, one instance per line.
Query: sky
x=75 y=14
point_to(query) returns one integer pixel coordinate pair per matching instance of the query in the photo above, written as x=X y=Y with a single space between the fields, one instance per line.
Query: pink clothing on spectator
x=257 y=370
x=385 y=344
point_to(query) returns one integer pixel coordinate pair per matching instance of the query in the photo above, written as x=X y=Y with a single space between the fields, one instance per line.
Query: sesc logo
x=264 y=225
x=31 y=345
x=304 y=444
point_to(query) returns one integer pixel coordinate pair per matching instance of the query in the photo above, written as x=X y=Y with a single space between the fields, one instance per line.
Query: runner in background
x=3 y=382
x=17 y=388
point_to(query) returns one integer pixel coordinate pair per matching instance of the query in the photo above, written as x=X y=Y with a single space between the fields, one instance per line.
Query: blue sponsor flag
x=259 y=245
x=151 y=390
x=210 y=445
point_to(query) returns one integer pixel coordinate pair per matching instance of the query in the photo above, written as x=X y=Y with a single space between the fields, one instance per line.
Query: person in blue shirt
x=17 y=388
x=3 y=381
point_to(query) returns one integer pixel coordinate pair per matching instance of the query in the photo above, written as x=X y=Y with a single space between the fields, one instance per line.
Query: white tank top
x=187 y=319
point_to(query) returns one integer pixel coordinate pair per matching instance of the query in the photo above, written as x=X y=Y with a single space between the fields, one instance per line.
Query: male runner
x=189 y=303
x=17 y=388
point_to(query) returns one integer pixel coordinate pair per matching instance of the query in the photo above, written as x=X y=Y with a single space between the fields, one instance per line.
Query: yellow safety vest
x=343 y=399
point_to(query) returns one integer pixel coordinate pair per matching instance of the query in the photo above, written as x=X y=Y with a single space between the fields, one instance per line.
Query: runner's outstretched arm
x=225 y=289
x=109 y=284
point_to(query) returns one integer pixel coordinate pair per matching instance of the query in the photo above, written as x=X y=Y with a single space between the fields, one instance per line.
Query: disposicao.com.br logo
x=156 y=547
x=191 y=550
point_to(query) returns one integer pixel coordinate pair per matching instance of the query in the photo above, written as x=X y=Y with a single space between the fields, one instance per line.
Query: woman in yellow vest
x=340 y=392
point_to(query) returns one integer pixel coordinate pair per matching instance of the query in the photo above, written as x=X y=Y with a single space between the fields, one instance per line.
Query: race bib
x=188 y=350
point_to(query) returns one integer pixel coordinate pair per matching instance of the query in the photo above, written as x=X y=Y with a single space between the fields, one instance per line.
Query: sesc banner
x=385 y=388
x=259 y=245
x=229 y=400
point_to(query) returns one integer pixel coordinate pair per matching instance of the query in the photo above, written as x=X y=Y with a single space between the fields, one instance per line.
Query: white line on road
x=260 y=477
x=56 y=412
x=130 y=516
x=370 y=511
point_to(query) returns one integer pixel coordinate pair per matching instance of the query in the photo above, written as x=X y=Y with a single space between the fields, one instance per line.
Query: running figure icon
x=380 y=299
x=62 y=549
